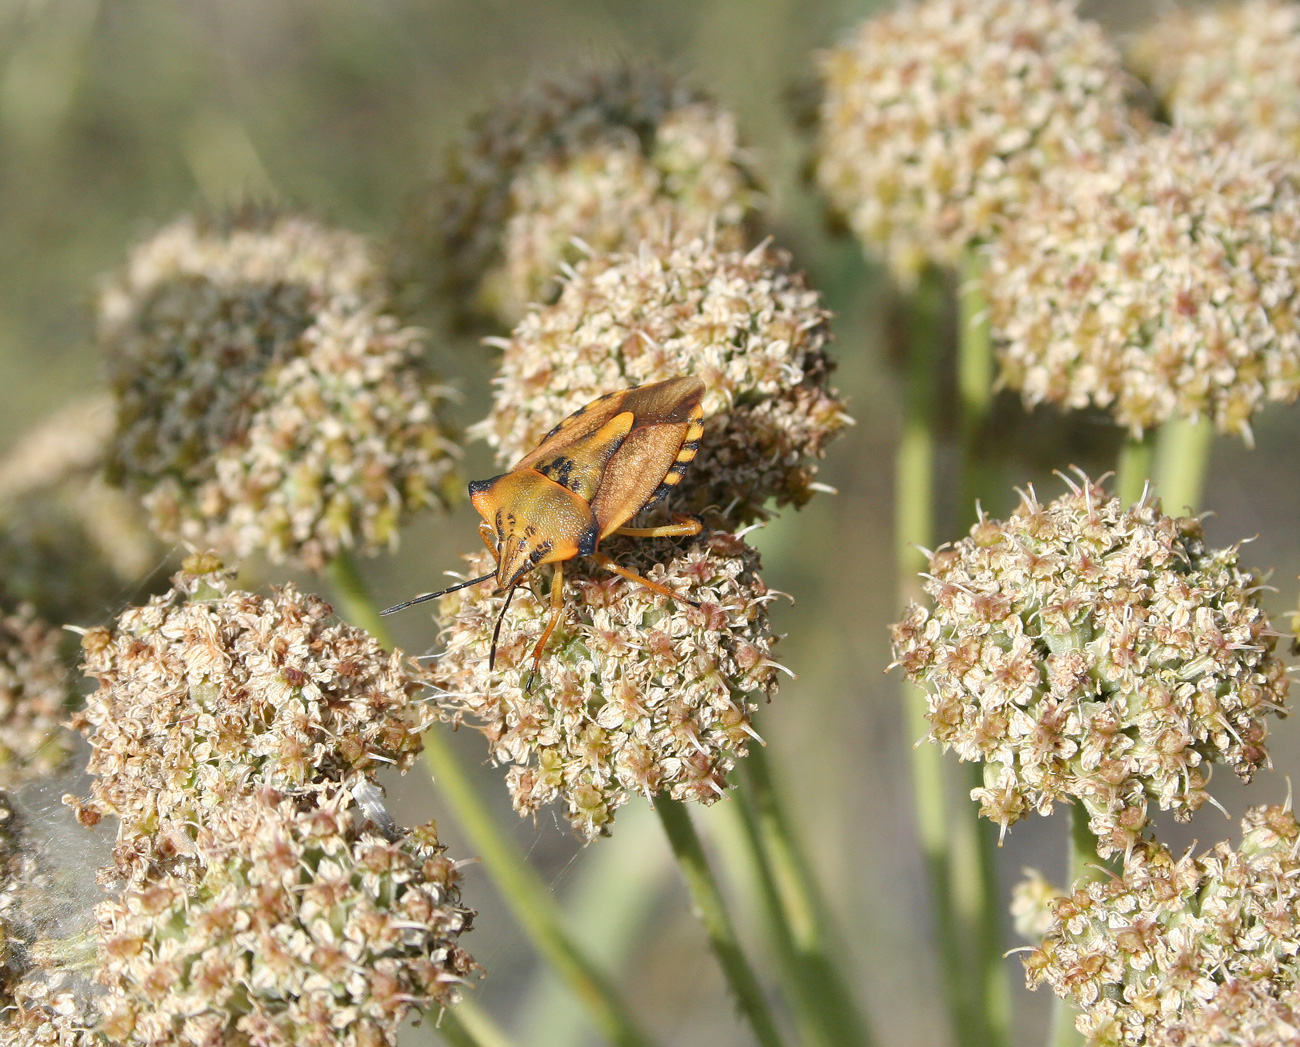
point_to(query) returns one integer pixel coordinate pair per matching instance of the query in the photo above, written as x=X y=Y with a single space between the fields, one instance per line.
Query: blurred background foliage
x=115 y=117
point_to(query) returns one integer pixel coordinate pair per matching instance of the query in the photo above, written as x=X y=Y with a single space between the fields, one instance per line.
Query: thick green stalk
x=974 y=850
x=914 y=529
x=823 y=1005
x=467 y=1025
x=1134 y=468
x=531 y=904
x=1182 y=457
x=712 y=912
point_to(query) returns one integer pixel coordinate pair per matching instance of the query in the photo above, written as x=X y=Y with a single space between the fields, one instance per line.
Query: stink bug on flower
x=590 y=474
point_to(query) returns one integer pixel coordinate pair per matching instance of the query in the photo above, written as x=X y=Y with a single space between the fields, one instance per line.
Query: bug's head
x=529 y=520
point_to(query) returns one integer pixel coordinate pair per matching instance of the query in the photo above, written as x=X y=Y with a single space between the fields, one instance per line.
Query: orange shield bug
x=590 y=474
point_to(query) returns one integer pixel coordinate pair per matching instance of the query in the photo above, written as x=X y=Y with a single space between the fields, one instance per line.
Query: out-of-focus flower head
x=938 y=119
x=268 y=399
x=740 y=321
x=592 y=161
x=635 y=694
x=1198 y=951
x=1157 y=283
x=71 y=545
x=1228 y=71
x=36 y=693
x=208 y=692
x=1091 y=653
x=287 y=926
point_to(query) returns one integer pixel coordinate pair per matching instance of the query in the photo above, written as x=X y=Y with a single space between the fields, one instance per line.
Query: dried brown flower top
x=1091 y=653
x=71 y=545
x=939 y=118
x=267 y=397
x=36 y=692
x=1158 y=283
x=207 y=692
x=741 y=322
x=588 y=162
x=1199 y=950
x=636 y=694
x=293 y=928
x=1229 y=71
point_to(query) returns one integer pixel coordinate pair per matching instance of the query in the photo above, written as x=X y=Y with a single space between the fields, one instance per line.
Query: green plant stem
x=1084 y=866
x=1134 y=468
x=914 y=529
x=823 y=1005
x=467 y=1025
x=717 y=923
x=975 y=847
x=531 y=904
x=1182 y=457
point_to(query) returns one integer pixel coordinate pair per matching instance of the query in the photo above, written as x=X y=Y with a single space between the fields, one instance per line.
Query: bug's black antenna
x=440 y=592
x=496 y=631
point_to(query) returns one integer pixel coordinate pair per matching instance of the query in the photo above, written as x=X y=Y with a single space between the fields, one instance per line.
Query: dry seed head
x=267 y=398
x=1084 y=652
x=1229 y=72
x=636 y=694
x=207 y=692
x=1185 y=952
x=601 y=158
x=1158 y=283
x=939 y=118
x=741 y=322
x=36 y=693
x=286 y=928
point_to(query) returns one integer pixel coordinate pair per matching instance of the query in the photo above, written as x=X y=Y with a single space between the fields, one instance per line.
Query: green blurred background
x=116 y=116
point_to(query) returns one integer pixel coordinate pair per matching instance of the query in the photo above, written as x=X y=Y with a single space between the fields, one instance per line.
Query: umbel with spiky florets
x=1158 y=283
x=1090 y=653
x=1197 y=951
x=592 y=161
x=939 y=118
x=636 y=694
x=35 y=696
x=741 y=322
x=207 y=692
x=1229 y=72
x=286 y=927
x=268 y=399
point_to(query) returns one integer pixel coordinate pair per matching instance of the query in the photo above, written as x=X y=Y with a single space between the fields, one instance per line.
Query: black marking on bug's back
x=559 y=469
x=587 y=540
x=671 y=479
x=541 y=550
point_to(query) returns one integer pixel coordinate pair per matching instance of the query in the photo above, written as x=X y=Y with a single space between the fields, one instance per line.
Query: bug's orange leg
x=557 y=605
x=632 y=576
x=685 y=525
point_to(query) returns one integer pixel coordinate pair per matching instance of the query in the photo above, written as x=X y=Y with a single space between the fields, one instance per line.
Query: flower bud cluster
x=268 y=399
x=740 y=321
x=939 y=118
x=1091 y=653
x=1158 y=283
x=1176 y=952
x=591 y=162
x=634 y=694
x=1228 y=71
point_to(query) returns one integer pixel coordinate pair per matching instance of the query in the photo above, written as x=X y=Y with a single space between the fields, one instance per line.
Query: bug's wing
x=652 y=457
x=581 y=464
x=668 y=401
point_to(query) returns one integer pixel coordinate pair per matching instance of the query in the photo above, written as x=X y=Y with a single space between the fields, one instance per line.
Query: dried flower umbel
x=742 y=322
x=1091 y=653
x=636 y=693
x=590 y=162
x=36 y=693
x=267 y=398
x=1159 y=283
x=207 y=692
x=939 y=118
x=1229 y=71
x=287 y=926
x=1185 y=952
